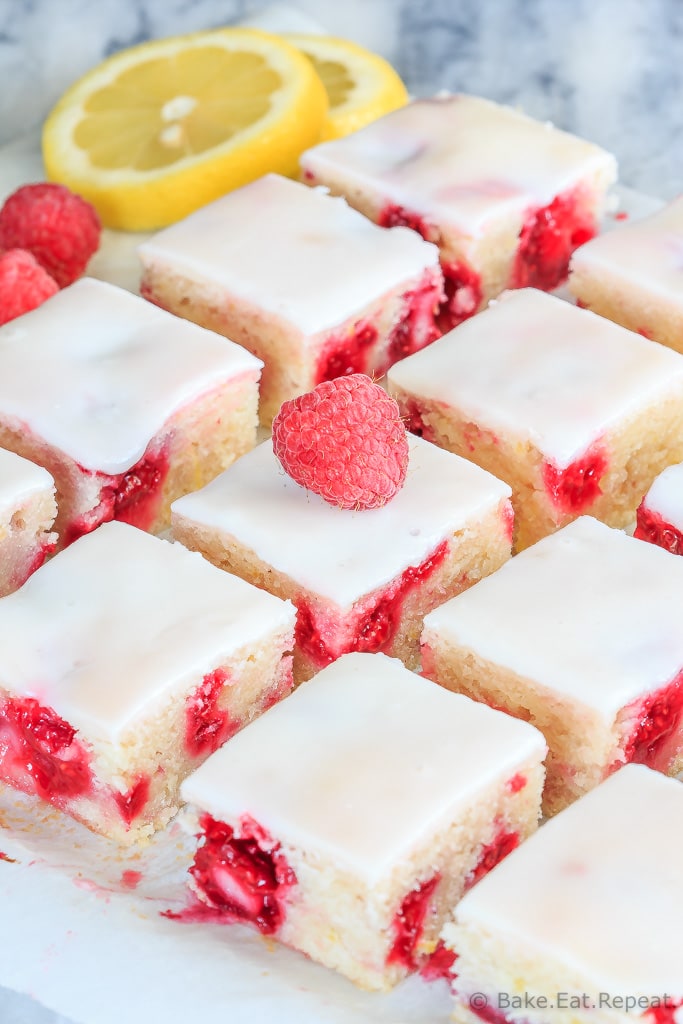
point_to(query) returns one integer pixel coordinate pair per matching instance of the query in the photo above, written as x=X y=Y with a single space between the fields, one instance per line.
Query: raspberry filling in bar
x=660 y=513
x=107 y=705
x=377 y=619
x=244 y=876
x=300 y=837
x=462 y=284
x=548 y=238
x=506 y=198
x=354 y=350
x=133 y=497
x=156 y=406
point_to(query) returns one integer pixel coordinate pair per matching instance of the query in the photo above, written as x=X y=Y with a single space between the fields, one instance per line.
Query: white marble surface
x=609 y=70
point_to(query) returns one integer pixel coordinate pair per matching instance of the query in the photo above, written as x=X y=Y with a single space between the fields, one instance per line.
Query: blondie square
x=124 y=662
x=126 y=406
x=579 y=635
x=348 y=820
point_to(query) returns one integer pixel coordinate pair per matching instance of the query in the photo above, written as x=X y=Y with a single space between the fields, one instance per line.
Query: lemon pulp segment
x=160 y=129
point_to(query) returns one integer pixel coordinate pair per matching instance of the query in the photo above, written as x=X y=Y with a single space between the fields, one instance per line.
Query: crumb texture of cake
x=350 y=818
x=124 y=662
x=300 y=279
x=577 y=414
x=579 y=925
x=126 y=406
x=633 y=275
x=660 y=513
x=361 y=581
x=27 y=513
x=587 y=646
x=506 y=198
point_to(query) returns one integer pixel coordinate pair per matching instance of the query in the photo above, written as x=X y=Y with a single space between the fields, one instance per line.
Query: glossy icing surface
x=599 y=888
x=297 y=253
x=666 y=496
x=362 y=763
x=340 y=554
x=109 y=627
x=460 y=160
x=538 y=369
x=19 y=479
x=97 y=372
x=588 y=612
x=644 y=253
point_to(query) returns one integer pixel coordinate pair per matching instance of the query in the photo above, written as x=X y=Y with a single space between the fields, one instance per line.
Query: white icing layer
x=19 y=480
x=599 y=888
x=96 y=372
x=665 y=496
x=588 y=612
x=460 y=161
x=646 y=254
x=339 y=554
x=296 y=253
x=363 y=763
x=534 y=368
x=119 y=620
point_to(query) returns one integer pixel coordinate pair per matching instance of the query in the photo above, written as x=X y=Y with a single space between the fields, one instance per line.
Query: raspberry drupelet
x=345 y=441
x=24 y=284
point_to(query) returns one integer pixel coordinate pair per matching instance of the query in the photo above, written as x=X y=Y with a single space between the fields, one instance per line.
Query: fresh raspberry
x=58 y=227
x=23 y=284
x=345 y=441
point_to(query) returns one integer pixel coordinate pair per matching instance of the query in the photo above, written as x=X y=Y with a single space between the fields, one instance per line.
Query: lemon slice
x=360 y=85
x=162 y=128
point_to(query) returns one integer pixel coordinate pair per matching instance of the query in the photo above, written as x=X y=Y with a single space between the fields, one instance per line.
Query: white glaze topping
x=363 y=763
x=588 y=612
x=541 y=370
x=296 y=253
x=120 y=619
x=646 y=253
x=665 y=496
x=599 y=888
x=459 y=160
x=19 y=480
x=96 y=372
x=339 y=554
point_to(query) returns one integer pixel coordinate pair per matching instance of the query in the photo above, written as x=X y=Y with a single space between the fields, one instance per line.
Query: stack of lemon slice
x=160 y=129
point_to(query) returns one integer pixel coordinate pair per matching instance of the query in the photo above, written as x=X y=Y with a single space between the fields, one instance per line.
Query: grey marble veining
x=611 y=70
